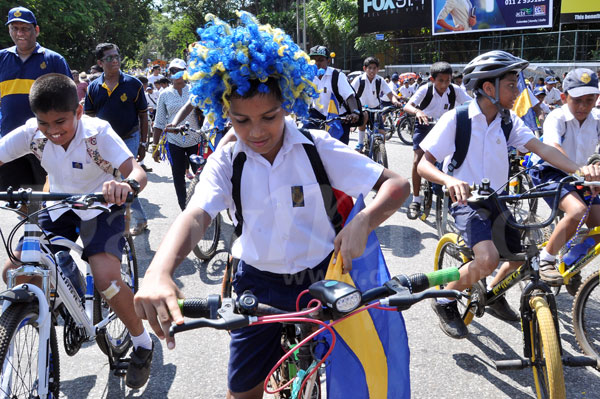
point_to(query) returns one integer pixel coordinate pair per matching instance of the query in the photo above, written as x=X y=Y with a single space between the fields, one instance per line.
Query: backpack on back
x=429 y=96
x=334 y=87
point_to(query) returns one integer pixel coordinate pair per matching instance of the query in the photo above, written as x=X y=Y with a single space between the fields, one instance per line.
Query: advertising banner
x=574 y=11
x=464 y=16
x=385 y=15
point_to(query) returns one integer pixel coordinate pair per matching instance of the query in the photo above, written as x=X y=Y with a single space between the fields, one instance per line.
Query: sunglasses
x=111 y=58
x=173 y=71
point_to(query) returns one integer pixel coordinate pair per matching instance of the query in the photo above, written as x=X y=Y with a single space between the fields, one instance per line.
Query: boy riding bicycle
x=286 y=236
x=493 y=78
x=72 y=149
x=430 y=101
x=574 y=129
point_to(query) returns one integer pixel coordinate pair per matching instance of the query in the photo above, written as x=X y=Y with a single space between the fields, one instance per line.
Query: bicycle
x=207 y=246
x=374 y=145
x=334 y=301
x=28 y=344
x=542 y=349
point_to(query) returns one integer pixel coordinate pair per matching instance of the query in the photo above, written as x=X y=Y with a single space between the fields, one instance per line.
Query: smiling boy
x=62 y=140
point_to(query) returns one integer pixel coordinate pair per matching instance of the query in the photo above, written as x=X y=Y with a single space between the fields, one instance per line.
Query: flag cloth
x=524 y=104
x=334 y=128
x=371 y=355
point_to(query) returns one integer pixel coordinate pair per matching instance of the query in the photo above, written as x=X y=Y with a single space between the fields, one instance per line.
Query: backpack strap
x=452 y=96
x=91 y=146
x=378 y=81
x=361 y=88
x=462 y=139
x=37 y=147
x=506 y=129
x=428 y=97
x=329 y=199
x=335 y=76
x=236 y=181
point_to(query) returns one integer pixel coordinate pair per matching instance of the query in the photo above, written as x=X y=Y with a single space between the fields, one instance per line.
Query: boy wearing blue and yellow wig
x=256 y=76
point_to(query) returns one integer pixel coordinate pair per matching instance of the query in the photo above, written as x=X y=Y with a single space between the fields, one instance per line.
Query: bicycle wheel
x=522 y=211
x=207 y=246
x=405 y=130
x=547 y=366
x=450 y=253
x=443 y=220
x=19 y=343
x=586 y=316
x=379 y=153
x=389 y=125
x=427 y=199
x=115 y=339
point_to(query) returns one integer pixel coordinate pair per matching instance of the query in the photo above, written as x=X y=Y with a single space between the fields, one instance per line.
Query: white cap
x=177 y=63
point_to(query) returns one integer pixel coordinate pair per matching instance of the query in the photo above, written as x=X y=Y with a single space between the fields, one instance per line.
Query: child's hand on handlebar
x=590 y=173
x=156 y=301
x=115 y=192
x=459 y=190
x=422 y=117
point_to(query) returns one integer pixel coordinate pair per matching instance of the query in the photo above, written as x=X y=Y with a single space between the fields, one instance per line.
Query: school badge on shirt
x=77 y=165
x=297 y=196
x=123 y=97
x=43 y=65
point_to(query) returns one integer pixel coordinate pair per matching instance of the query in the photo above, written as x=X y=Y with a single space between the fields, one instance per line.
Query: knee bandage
x=112 y=290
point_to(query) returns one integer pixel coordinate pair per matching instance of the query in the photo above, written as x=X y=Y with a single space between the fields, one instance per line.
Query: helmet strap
x=504 y=113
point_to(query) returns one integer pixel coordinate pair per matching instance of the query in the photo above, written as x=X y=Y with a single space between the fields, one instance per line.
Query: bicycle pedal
x=581 y=361
x=513 y=364
x=120 y=368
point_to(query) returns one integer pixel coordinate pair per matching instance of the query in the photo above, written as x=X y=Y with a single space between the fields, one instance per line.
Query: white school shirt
x=578 y=142
x=552 y=96
x=71 y=170
x=460 y=11
x=276 y=236
x=406 y=92
x=487 y=155
x=324 y=85
x=369 y=96
x=152 y=79
x=439 y=104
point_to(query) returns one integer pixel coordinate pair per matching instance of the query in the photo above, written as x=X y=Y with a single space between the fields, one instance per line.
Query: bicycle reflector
x=339 y=296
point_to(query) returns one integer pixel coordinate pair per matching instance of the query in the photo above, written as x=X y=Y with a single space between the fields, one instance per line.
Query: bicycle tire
x=380 y=154
x=207 y=246
x=448 y=254
x=522 y=211
x=115 y=340
x=427 y=199
x=405 y=131
x=443 y=226
x=586 y=316
x=389 y=126
x=546 y=360
x=18 y=331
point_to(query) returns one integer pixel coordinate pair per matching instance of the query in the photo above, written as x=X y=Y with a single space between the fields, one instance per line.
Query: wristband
x=135 y=186
x=356 y=111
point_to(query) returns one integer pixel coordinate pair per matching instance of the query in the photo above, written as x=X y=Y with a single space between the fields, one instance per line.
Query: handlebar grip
x=195 y=307
x=443 y=276
x=100 y=198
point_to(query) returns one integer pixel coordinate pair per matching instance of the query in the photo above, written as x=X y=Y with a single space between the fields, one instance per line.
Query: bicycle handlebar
x=401 y=291
x=28 y=195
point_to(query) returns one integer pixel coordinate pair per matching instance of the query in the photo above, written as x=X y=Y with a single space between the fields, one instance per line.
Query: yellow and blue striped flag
x=371 y=355
x=334 y=128
x=523 y=104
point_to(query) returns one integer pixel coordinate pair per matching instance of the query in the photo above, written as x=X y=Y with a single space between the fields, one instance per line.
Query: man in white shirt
x=155 y=75
x=369 y=88
x=462 y=15
x=406 y=90
x=343 y=92
x=553 y=95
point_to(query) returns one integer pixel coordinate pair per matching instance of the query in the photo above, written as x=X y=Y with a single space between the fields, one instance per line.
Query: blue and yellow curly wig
x=227 y=59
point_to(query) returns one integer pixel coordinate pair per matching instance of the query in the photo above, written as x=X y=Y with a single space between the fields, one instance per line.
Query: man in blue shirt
x=120 y=99
x=20 y=66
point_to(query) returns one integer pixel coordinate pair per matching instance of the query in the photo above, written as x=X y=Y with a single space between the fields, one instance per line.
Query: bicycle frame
x=374 y=135
x=569 y=271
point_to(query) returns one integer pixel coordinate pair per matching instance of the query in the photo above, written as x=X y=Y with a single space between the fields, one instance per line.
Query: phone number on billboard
x=516 y=2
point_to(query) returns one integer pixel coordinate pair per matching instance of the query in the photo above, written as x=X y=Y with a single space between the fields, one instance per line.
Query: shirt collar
x=567 y=113
x=474 y=109
x=121 y=77
x=38 y=49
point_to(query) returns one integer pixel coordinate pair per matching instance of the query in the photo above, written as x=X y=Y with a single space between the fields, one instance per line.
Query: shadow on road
x=405 y=242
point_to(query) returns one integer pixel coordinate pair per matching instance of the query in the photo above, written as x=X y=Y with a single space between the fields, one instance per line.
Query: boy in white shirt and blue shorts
x=62 y=138
x=493 y=77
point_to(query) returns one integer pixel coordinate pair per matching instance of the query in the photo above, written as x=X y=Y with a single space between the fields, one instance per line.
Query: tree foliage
x=74 y=27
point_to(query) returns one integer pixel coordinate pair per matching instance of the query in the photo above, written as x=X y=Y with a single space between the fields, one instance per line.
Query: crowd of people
x=55 y=118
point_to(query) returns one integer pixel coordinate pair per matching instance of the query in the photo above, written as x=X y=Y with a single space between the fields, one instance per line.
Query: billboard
x=575 y=11
x=384 y=15
x=464 y=16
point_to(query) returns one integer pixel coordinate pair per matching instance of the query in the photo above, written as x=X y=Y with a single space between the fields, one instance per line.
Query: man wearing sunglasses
x=119 y=99
x=20 y=66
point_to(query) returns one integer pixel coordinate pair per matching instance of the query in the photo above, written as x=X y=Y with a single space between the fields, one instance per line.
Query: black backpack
x=330 y=199
x=463 y=137
x=429 y=96
x=334 y=87
x=361 y=87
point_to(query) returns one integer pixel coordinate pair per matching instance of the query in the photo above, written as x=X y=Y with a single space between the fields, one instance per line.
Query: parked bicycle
x=28 y=343
x=298 y=375
x=374 y=146
x=542 y=349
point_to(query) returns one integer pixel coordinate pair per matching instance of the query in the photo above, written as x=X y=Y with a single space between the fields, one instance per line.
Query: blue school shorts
x=421 y=131
x=254 y=350
x=104 y=233
x=547 y=173
x=476 y=221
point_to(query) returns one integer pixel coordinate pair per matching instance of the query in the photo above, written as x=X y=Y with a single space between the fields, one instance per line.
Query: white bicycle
x=28 y=343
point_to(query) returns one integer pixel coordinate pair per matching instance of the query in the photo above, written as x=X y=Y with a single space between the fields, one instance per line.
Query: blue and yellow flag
x=371 y=356
x=334 y=128
x=523 y=104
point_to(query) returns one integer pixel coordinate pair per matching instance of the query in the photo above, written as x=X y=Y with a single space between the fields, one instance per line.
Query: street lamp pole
x=304 y=30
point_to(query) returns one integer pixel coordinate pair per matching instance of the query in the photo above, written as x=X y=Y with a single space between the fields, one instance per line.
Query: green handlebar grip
x=443 y=276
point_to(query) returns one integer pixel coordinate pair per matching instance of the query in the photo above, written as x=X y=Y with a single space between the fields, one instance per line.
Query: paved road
x=440 y=366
